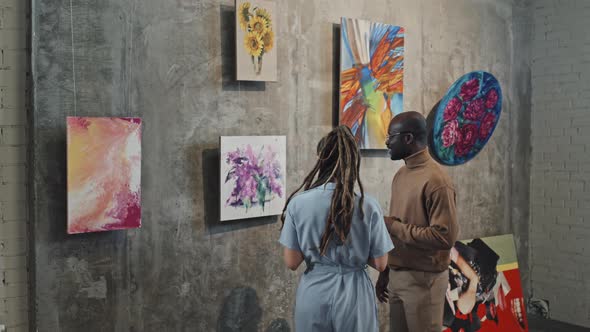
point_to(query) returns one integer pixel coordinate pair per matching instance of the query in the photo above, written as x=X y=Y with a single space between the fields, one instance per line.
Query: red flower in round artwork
x=467 y=136
x=450 y=133
x=469 y=89
x=452 y=109
x=487 y=125
x=492 y=98
x=474 y=110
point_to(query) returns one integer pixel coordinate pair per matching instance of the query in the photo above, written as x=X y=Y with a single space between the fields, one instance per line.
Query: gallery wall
x=560 y=255
x=172 y=63
x=14 y=165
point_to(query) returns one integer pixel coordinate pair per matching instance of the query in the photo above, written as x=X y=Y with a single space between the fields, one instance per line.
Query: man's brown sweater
x=423 y=199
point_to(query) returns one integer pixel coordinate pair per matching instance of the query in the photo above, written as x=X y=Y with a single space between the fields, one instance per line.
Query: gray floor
x=543 y=325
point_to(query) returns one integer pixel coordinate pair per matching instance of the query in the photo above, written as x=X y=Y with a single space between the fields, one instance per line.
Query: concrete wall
x=13 y=166
x=172 y=63
x=560 y=170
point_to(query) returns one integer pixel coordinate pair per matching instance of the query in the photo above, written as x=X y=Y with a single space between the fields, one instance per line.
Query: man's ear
x=409 y=138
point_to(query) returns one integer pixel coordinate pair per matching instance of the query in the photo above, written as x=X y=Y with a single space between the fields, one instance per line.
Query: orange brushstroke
x=390 y=79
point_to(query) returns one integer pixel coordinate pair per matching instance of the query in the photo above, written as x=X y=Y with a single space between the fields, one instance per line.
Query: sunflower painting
x=255 y=41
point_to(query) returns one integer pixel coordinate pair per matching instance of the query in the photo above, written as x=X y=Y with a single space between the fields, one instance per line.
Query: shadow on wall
x=429 y=128
x=335 y=74
x=241 y=312
x=227 y=36
x=278 y=325
x=212 y=198
x=55 y=194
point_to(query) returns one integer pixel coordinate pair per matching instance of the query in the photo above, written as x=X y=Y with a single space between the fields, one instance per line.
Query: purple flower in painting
x=474 y=110
x=452 y=109
x=272 y=171
x=250 y=156
x=487 y=125
x=492 y=98
x=469 y=89
x=256 y=174
x=450 y=133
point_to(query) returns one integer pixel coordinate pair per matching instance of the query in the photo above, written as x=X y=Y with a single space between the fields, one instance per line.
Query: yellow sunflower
x=268 y=40
x=253 y=44
x=244 y=14
x=261 y=12
x=258 y=25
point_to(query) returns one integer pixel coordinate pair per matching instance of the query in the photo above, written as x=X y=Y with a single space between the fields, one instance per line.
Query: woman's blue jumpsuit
x=335 y=292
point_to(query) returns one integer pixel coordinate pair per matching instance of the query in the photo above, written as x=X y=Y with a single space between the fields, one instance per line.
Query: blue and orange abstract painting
x=371 y=79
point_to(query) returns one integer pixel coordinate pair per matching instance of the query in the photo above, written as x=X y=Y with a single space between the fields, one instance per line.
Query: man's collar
x=418 y=159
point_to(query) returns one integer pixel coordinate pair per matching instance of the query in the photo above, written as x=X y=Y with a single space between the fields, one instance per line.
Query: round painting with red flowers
x=466 y=118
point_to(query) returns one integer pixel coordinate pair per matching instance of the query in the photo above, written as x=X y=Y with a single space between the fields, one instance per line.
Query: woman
x=337 y=232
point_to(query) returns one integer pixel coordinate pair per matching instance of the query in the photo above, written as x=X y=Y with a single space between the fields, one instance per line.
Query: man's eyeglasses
x=396 y=134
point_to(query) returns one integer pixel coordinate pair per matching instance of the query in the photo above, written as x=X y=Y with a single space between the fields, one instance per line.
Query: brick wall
x=560 y=172
x=13 y=163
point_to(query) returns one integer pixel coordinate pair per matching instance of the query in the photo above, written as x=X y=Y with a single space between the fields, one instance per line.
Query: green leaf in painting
x=447 y=153
x=261 y=191
x=247 y=203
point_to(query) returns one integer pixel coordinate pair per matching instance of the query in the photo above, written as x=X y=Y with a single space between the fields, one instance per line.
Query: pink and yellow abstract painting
x=104 y=173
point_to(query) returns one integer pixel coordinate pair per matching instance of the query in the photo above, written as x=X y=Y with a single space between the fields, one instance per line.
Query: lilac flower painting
x=253 y=170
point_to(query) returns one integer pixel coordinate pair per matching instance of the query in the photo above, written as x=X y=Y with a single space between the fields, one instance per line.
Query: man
x=423 y=227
